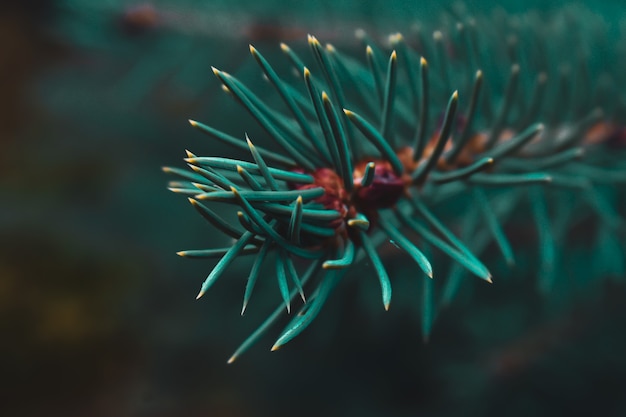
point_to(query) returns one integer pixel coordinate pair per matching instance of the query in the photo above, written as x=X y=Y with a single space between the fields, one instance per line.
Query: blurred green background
x=98 y=313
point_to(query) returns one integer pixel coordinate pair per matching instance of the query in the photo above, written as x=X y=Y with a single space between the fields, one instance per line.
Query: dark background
x=97 y=312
